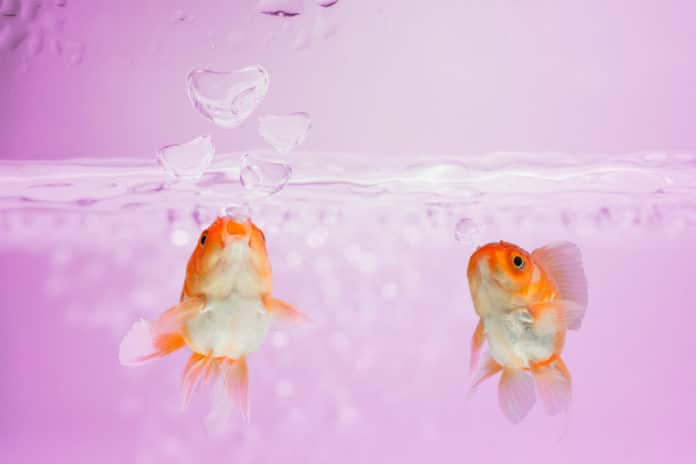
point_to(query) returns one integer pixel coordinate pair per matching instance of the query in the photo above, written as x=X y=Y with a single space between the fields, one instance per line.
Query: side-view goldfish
x=224 y=313
x=526 y=302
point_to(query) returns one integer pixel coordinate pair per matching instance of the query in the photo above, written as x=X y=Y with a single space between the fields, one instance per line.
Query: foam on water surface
x=495 y=191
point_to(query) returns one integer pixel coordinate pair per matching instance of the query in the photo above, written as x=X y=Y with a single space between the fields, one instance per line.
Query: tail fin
x=554 y=384
x=197 y=368
x=516 y=394
x=229 y=390
x=150 y=340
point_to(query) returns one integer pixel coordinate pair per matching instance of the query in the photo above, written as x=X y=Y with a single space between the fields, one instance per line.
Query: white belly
x=232 y=327
x=513 y=341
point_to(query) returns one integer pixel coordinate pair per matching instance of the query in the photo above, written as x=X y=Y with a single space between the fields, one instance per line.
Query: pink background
x=384 y=376
x=397 y=76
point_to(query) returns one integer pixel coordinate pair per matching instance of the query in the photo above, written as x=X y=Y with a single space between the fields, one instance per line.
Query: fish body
x=224 y=313
x=526 y=302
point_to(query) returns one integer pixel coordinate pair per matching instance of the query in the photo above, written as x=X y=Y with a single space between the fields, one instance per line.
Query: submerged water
x=375 y=252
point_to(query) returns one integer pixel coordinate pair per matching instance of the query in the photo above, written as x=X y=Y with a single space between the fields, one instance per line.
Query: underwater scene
x=347 y=231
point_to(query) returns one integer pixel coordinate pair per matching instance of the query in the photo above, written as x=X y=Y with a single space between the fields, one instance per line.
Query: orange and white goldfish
x=526 y=302
x=224 y=313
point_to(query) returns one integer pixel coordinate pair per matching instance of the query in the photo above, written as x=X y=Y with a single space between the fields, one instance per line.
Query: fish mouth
x=484 y=274
x=236 y=229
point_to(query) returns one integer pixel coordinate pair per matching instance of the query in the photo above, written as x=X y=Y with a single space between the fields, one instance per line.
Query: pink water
x=434 y=130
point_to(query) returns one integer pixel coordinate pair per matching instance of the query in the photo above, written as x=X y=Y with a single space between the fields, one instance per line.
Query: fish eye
x=518 y=262
x=204 y=237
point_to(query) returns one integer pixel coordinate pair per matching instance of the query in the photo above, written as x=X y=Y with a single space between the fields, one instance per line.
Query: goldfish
x=526 y=302
x=223 y=315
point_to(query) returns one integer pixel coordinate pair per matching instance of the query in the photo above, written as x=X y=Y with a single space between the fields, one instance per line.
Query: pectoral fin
x=563 y=263
x=150 y=340
x=284 y=311
x=557 y=314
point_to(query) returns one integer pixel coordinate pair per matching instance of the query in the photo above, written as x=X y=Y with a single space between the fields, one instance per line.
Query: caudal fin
x=229 y=391
x=516 y=394
x=150 y=340
x=554 y=385
x=197 y=369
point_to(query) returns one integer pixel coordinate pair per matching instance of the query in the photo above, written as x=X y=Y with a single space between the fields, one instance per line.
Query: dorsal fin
x=563 y=264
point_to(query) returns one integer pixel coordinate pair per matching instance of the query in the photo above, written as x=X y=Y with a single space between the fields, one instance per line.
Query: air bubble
x=227 y=98
x=187 y=160
x=467 y=231
x=263 y=178
x=285 y=132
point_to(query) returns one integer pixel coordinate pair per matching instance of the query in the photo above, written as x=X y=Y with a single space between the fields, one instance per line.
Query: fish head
x=501 y=269
x=230 y=253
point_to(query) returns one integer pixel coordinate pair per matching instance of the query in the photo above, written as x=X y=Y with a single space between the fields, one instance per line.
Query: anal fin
x=488 y=368
x=476 y=343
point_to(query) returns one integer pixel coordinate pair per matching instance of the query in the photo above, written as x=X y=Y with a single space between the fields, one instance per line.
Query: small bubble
x=179 y=16
x=347 y=416
x=55 y=46
x=412 y=234
x=285 y=132
x=35 y=44
x=263 y=178
x=325 y=25
x=467 y=231
x=362 y=260
x=62 y=257
x=326 y=3
x=279 y=339
x=317 y=237
x=389 y=291
x=180 y=237
x=55 y=285
x=74 y=50
x=294 y=259
x=227 y=98
x=203 y=215
x=284 y=389
x=603 y=216
x=12 y=36
x=10 y=8
x=238 y=212
x=302 y=40
x=280 y=8
x=187 y=160
x=341 y=343
x=30 y=10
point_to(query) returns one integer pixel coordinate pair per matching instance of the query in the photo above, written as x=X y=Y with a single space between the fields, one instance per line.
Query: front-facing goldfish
x=526 y=302
x=223 y=315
